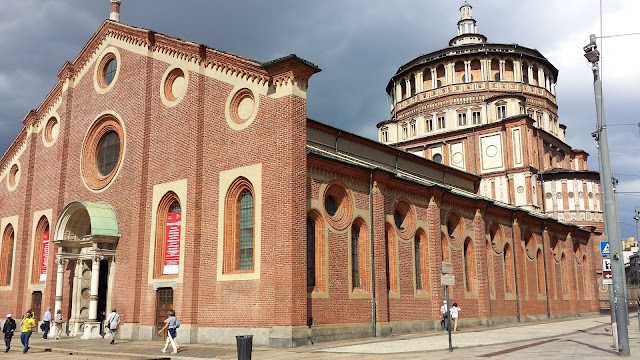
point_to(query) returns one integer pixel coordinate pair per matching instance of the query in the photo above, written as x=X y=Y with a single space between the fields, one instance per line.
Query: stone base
x=91 y=330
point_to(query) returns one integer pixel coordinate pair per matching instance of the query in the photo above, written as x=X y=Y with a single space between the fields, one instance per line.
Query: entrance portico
x=86 y=235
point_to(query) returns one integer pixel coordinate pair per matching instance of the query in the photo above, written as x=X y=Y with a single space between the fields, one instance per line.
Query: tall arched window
x=540 y=272
x=469 y=265
x=421 y=261
x=509 y=278
x=316 y=257
x=239 y=227
x=392 y=260
x=359 y=256
x=6 y=255
x=40 y=251
x=564 y=275
x=168 y=235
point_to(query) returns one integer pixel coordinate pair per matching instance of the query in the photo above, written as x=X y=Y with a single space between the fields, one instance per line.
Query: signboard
x=604 y=248
x=607 y=278
x=172 y=244
x=44 y=256
x=448 y=279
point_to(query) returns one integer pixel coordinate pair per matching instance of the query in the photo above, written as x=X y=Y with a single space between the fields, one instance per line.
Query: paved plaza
x=583 y=338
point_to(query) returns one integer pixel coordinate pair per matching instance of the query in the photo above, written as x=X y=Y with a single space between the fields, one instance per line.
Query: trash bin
x=245 y=345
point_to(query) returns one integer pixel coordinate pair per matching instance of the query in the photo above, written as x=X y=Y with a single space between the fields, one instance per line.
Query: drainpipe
x=373 y=271
x=544 y=260
x=515 y=267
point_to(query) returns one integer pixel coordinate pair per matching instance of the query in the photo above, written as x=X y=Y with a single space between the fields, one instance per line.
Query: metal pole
x=447 y=322
x=611 y=223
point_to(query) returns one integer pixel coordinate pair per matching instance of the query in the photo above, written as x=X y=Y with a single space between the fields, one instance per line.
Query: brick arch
x=238 y=253
x=316 y=252
x=469 y=265
x=540 y=273
x=6 y=255
x=165 y=206
x=41 y=235
x=359 y=259
x=455 y=228
x=421 y=256
x=509 y=273
x=530 y=244
x=564 y=274
x=392 y=259
x=496 y=237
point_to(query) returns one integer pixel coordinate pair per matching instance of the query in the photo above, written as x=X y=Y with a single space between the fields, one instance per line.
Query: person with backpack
x=113 y=320
x=8 y=328
x=170 y=324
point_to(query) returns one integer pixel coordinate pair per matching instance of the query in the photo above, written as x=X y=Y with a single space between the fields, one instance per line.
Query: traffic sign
x=607 y=278
x=606 y=265
x=604 y=248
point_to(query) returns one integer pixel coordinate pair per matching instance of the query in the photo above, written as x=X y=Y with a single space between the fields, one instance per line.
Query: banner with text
x=44 y=256
x=172 y=245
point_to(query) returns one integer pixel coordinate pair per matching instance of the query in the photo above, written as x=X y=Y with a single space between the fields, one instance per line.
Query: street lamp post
x=612 y=232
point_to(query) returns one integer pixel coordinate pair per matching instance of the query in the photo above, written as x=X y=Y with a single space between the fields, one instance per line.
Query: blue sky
x=358 y=44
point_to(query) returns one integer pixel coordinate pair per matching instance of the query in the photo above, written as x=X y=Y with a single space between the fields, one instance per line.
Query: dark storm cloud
x=359 y=44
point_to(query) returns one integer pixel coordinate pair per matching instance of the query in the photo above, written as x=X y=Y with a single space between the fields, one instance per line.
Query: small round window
x=109 y=71
x=338 y=205
x=437 y=158
x=108 y=153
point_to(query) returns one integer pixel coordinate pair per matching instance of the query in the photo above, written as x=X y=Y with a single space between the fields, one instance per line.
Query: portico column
x=501 y=66
x=434 y=79
x=59 y=279
x=530 y=74
x=95 y=282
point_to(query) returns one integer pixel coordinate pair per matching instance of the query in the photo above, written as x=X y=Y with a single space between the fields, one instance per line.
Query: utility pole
x=612 y=231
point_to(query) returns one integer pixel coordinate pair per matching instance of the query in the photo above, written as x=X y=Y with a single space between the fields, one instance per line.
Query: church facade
x=162 y=174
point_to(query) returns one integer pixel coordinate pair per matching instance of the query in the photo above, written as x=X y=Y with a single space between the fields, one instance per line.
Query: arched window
x=445 y=247
x=316 y=258
x=564 y=275
x=509 y=278
x=168 y=235
x=40 y=251
x=239 y=227
x=6 y=255
x=421 y=261
x=540 y=272
x=359 y=256
x=392 y=258
x=469 y=265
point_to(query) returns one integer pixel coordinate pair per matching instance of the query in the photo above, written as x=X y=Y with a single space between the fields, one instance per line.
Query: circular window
x=405 y=219
x=108 y=68
x=581 y=195
x=108 y=153
x=590 y=195
x=51 y=130
x=174 y=86
x=14 y=176
x=559 y=195
x=571 y=195
x=105 y=73
x=102 y=152
x=548 y=195
x=338 y=205
x=242 y=106
x=530 y=246
x=520 y=189
x=437 y=158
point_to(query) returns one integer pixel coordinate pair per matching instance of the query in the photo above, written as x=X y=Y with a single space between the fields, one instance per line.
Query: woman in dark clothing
x=7 y=329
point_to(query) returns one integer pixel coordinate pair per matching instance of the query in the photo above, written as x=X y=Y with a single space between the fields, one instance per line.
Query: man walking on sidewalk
x=8 y=328
x=27 y=324
x=46 y=323
x=113 y=320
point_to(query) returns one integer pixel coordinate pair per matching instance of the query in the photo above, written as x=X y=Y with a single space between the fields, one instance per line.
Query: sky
x=359 y=44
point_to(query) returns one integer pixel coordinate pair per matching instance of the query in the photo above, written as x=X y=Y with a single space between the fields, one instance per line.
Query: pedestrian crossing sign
x=604 y=248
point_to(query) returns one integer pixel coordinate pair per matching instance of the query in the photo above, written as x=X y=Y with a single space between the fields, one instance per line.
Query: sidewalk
x=575 y=338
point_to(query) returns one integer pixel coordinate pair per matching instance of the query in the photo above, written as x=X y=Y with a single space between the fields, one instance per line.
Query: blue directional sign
x=604 y=248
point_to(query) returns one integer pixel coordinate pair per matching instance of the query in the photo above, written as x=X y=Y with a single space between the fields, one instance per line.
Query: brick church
x=163 y=174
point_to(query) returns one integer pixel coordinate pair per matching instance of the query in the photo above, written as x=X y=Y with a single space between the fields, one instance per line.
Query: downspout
x=515 y=267
x=374 y=320
x=544 y=260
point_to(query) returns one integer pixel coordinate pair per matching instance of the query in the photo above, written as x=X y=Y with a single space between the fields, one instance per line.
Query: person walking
x=8 y=328
x=46 y=323
x=170 y=326
x=445 y=315
x=454 y=315
x=27 y=325
x=57 y=323
x=113 y=321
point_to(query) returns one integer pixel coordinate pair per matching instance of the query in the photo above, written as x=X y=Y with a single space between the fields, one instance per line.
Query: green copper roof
x=101 y=215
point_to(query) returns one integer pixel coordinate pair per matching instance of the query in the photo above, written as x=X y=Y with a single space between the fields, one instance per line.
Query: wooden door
x=164 y=303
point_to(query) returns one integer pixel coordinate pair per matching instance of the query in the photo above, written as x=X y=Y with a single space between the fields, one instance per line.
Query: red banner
x=172 y=244
x=44 y=256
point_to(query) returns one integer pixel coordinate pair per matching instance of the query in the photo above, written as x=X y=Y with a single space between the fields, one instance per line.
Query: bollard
x=245 y=345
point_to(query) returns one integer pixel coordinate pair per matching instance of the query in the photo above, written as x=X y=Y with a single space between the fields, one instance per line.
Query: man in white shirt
x=46 y=323
x=113 y=320
x=444 y=310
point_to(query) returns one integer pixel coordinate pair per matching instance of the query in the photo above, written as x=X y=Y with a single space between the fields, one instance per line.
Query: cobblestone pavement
x=584 y=338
